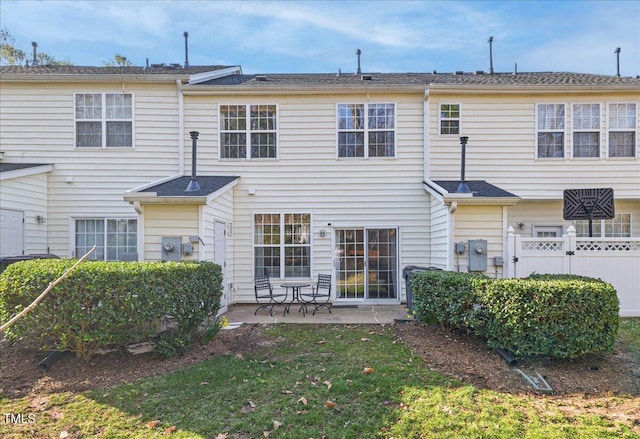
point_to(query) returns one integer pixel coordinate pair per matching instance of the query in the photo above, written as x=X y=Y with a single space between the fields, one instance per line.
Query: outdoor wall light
x=40 y=219
x=323 y=233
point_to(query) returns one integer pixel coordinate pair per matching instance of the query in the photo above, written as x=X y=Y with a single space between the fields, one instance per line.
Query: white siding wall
x=29 y=195
x=38 y=126
x=220 y=209
x=502 y=148
x=440 y=241
x=162 y=220
x=307 y=177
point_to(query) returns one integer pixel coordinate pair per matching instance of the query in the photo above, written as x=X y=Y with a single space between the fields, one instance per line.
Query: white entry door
x=11 y=232
x=220 y=258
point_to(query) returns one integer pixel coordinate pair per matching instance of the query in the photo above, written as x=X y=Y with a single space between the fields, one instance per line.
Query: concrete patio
x=351 y=314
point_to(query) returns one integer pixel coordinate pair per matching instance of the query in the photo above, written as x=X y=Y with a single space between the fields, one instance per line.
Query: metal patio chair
x=265 y=297
x=320 y=294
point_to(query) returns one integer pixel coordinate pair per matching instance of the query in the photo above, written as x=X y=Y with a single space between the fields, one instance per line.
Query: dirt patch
x=459 y=355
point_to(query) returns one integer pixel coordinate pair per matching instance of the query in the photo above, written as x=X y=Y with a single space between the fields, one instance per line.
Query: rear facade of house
x=350 y=175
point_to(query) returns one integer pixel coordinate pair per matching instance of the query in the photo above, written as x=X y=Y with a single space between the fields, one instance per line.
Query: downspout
x=451 y=224
x=180 y=127
x=425 y=135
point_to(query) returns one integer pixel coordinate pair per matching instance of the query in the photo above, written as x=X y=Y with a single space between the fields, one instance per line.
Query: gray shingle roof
x=6 y=167
x=177 y=186
x=164 y=69
x=479 y=188
x=421 y=79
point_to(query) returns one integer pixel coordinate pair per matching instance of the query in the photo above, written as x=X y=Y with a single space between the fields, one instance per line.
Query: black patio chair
x=265 y=297
x=320 y=294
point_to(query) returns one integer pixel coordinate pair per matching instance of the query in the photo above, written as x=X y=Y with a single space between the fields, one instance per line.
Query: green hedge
x=552 y=315
x=107 y=303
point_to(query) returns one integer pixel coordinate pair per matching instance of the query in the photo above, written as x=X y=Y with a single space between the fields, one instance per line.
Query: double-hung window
x=622 y=130
x=104 y=120
x=113 y=237
x=449 y=119
x=618 y=227
x=282 y=245
x=586 y=130
x=550 y=130
x=366 y=130
x=248 y=131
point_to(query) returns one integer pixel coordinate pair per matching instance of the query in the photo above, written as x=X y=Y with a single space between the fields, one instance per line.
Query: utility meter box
x=478 y=255
x=171 y=248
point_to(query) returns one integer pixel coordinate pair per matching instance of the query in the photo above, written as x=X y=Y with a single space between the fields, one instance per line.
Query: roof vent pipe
x=193 y=182
x=358 y=53
x=617 y=52
x=186 y=50
x=491 y=55
x=462 y=187
x=35 y=55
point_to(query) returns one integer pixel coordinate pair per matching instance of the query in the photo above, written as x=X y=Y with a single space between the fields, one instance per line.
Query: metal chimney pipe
x=617 y=52
x=358 y=53
x=193 y=183
x=35 y=55
x=462 y=187
x=491 y=55
x=186 y=50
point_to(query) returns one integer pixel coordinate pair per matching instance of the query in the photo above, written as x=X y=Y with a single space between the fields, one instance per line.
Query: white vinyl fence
x=614 y=260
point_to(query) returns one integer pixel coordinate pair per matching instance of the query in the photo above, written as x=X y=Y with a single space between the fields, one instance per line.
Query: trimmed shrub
x=561 y=318
x=107 y=303
x=446 y=297
x=554 y=315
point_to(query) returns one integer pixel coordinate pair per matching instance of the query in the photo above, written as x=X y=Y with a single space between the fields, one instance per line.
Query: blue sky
x=322 y=36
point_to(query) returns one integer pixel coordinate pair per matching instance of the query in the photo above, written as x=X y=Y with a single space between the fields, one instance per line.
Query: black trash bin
x=406 y=273
x=5 y=262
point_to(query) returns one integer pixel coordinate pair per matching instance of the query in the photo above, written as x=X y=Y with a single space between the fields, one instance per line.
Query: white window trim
x=72 y=229
x=248 y=132
x=282 y=213
x=535 y=229
x=600 y=130
x=103 y=120
x=608 y=130
x=366 y=131
x=440 y=119
x=564 y=132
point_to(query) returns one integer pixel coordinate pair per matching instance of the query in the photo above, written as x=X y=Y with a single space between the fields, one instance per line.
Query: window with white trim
x=550 y=130
x=248 y=131
x=449 y=119
x=622 y=130
x=104 y=120
x=366 y=130
x=586 y=130
x=618 y=227
x=282 y=245
x=112 y=237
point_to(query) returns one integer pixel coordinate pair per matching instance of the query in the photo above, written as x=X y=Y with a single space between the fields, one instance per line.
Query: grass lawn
x=314 y=382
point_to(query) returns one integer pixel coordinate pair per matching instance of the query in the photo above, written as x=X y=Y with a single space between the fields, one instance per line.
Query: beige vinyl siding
x=308 y=177
x=162 y=220
x=479 y=222
x=38 y=126
x=220 y=209
x=550 y=213
x=502 y=147
x=440 y=242
x=29 y=195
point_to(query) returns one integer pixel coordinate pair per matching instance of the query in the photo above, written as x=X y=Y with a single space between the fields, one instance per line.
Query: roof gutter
x=180 y=127
x=334 y=89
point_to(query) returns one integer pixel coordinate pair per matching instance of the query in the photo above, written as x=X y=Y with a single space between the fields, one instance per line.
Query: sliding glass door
x=367 y=263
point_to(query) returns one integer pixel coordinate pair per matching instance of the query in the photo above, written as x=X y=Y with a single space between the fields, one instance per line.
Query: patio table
x=295 y=294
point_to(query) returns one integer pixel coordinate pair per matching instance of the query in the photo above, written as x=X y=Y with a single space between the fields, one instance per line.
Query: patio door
x=367 y=263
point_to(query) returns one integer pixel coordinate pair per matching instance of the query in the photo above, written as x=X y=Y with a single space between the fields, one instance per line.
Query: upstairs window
x=550 y=130
x=449 y=119
x=586 y=130
x=366 y=130
x=248 y=131
x=622 y=130
x=104 y=120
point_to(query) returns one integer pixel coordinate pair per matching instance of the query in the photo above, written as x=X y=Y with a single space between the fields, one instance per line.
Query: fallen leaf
x=276 y=425
x=204 y=383
x=252 y=404
x=303 y=400
x=221 y=436
x=328 y=384
x=170 y=430
x=321 y=342
x=330 y=404
x=266 y=433
x=152 y=424
x=287 y=392
x=365 y=339
x=367 y=370
x=64 y=435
